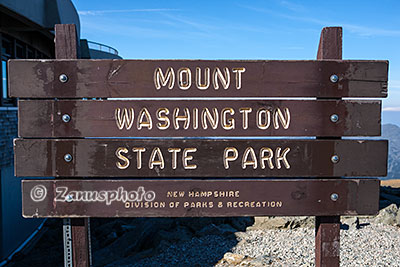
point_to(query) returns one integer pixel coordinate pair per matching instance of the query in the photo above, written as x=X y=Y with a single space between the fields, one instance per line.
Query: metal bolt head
x=334 y=78
x=68 y=157
x=334 y=197
x=68 y=198
x=63 y=78
x=334 y=118
x=335 y=159
x=66 y=118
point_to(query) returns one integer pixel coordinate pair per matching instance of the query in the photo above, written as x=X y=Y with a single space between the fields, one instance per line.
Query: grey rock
x=264 y=259
x=233 y=259
x=240 y=235
x=387 y=215
x=398 y=219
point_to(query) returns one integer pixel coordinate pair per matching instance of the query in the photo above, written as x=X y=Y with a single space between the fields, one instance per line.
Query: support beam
x=66 y=47
x=327 y=228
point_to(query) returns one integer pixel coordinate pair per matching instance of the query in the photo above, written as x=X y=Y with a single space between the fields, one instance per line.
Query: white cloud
x=391 y=109
x=292 y=6
x=361 y=30
x=370 y=31
x=185 y=21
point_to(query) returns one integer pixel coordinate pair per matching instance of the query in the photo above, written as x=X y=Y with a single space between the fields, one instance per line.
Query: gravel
x=372 y=245
x=199 y=251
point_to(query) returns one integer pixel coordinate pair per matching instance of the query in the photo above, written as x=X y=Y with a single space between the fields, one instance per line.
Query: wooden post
x=327 y=228
x=66 y=47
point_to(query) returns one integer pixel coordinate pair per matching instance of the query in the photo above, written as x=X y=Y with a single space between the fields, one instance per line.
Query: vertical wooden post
x=327 y=228
x=330 y=43
x=66 y=47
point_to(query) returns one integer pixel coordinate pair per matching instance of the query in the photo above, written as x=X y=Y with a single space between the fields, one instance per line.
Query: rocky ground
x=259 y=241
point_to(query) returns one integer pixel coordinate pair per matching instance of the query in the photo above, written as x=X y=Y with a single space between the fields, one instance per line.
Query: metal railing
x=102 y=47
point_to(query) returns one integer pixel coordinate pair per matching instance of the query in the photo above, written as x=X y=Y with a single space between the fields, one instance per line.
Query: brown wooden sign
x=187 y=109
x=200 y=118
x=196 y=78
x=198 y=198
x=171 y=119
x=199 y=158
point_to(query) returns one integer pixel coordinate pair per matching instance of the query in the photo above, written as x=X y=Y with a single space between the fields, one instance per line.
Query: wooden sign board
x=196 y=78
x=107 y=138
x=199 y=158
x=198 y=198
x=200 y=118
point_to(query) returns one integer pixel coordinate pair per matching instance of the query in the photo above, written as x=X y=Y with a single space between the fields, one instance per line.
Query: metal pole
x=67 y=236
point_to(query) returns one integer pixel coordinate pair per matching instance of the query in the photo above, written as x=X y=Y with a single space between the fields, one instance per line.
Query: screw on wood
x=334 y=118
x=63 y=78
x=68 y=157
x=335 y=159
x=334 y=78
x=334 y=197
x=66 y=118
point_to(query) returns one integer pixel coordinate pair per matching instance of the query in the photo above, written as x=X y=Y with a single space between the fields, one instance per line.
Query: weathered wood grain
x=135 y=78
x=327 y=228
x=204 y=158
x=100 y=118
x=198 y=198
x=66 y=41
x=66 y=47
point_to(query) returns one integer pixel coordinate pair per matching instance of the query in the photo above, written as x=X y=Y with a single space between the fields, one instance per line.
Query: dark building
x=27 y=31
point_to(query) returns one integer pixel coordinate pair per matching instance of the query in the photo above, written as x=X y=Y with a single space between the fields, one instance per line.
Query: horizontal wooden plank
x=198 y=198
x=188 y=118
x=199 y=158
x=196 y=78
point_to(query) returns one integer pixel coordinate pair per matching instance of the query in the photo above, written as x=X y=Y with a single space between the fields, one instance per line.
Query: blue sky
x=270 y=29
